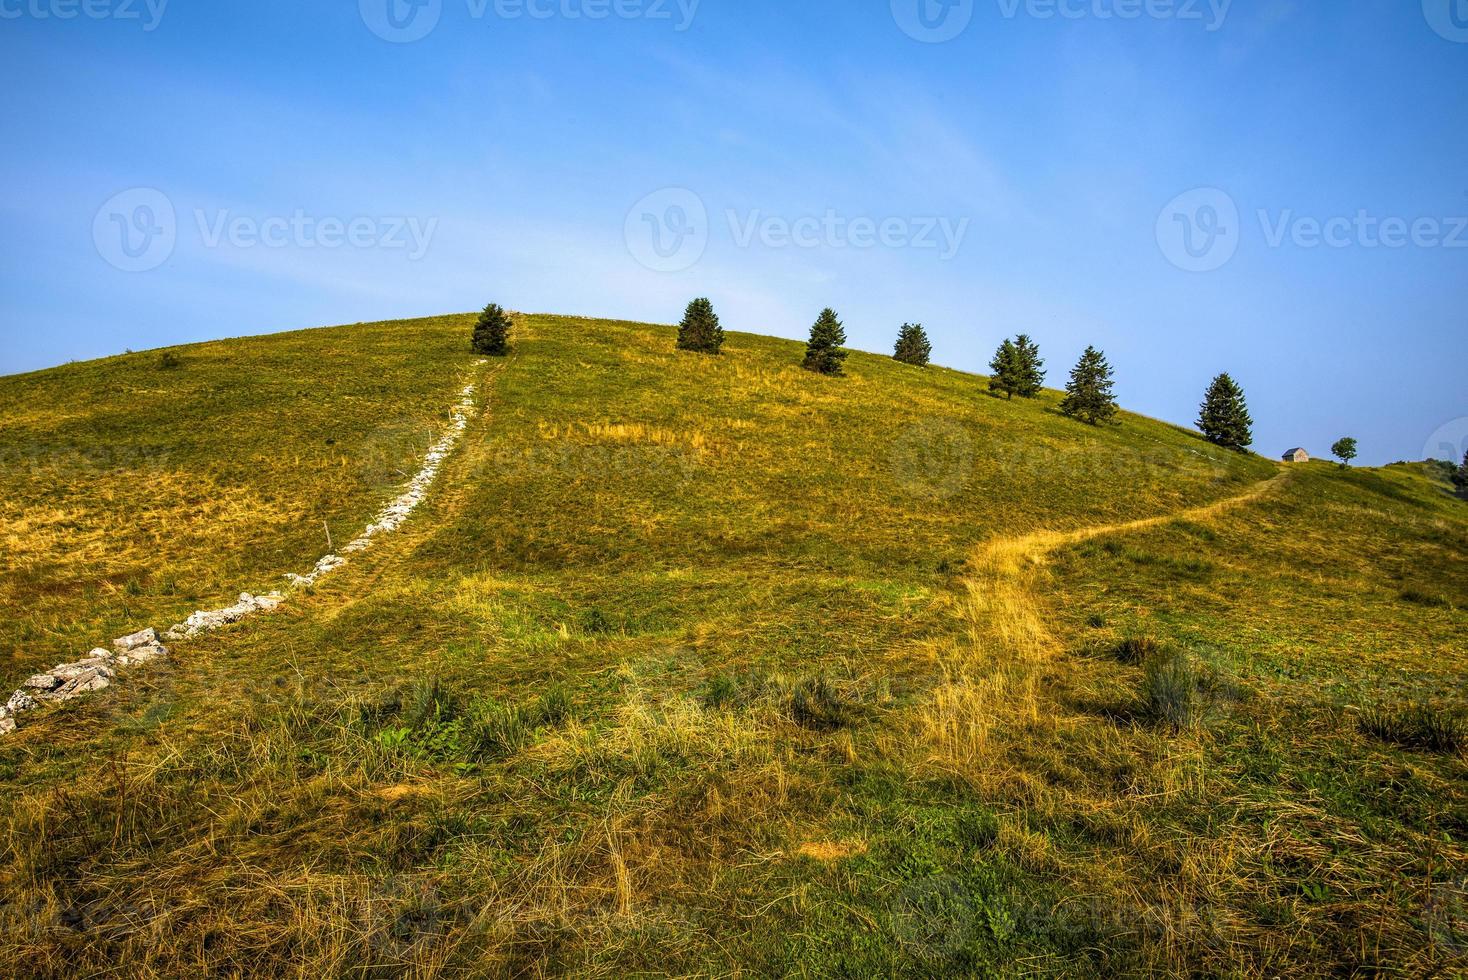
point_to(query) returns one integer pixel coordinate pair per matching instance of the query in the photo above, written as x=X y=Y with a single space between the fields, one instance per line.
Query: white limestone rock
x=19 y=702
x=209 y=620
x=142 y=638
x=142 y=655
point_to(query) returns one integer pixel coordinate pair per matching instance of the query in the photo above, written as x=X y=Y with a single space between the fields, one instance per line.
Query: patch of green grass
x=217 y=466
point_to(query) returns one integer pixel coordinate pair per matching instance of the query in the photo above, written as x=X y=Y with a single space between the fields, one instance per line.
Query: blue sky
x=1046 y=169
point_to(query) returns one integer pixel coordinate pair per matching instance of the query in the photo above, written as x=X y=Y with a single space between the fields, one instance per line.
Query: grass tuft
x=1417 y=727
x=1431 y=600
x=817 y=704
x=1137 y=650
x=1171 y=690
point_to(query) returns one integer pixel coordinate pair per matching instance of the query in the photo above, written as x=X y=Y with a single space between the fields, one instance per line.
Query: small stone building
x=1297 y=456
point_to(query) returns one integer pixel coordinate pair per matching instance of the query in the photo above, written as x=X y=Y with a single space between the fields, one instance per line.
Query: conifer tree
x=1089 y=394
x=1005 y=370
x=913 y=346
x=1031 y=376
x=1460 y=478
x=1224 y=418
x=823 y=353
x=700 y=329
x=1344 y=450
x=492 y=332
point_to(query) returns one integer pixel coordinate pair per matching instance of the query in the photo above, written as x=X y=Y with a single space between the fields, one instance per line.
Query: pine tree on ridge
x=1005 y=370
x=492 y=332
x=1089 y=394
x=913 y=346
x=823 y=352
x=700 y=330
x=1224 y=417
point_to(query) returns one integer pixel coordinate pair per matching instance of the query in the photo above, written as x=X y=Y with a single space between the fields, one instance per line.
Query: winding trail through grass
x=1001 y=590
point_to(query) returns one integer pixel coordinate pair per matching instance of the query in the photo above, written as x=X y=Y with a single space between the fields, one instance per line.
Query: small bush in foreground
x=1418 y=727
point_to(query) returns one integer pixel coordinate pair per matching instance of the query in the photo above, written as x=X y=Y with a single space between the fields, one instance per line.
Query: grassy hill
x=696 y=665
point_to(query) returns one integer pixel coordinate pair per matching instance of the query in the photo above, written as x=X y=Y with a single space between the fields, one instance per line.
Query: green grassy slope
x=132 y=492
x=697 y=665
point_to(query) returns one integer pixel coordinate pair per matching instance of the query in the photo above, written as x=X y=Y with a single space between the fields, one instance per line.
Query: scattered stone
x=207 y=621
x=142 y=638
x=142 y=655
x=79 y=678
x=42 y=682
x=19 y=701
